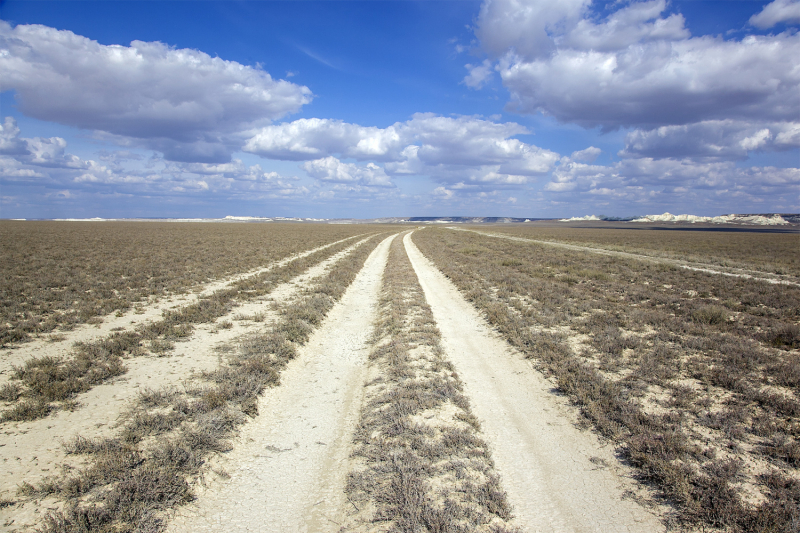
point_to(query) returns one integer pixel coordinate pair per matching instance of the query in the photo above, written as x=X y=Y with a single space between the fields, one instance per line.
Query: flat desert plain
x=316 y=377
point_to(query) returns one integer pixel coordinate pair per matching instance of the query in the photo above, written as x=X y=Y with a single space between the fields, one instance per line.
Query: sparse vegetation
x=59 y=274
x=48 y=379
x=692 y=375
x=420 y=462
x=131 y=479
x=753 y=250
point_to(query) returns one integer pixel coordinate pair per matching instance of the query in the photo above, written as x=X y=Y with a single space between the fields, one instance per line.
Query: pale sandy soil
x=287 y=469
x=288 y=466
x=710 y=269
x=558 y=478
x=30 y=451
x=59 y=344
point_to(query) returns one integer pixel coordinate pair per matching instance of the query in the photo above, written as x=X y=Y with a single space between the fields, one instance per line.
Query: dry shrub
x=787 y=337
x=710 y=314
x=415 y=476
x=10 y=392
x=131 y=481
x=677 y=331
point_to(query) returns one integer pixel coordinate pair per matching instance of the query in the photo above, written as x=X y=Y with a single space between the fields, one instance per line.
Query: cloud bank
x=693 y=106
x=637 y=67
x=43 y=162
x=469 y=150
x=786 y=11
x=184 y=103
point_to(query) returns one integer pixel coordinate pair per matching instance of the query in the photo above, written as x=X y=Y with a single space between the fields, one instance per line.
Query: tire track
x=558 y=478
x=775 y=279
x=45 y=346
x=34 y=450
x=288 y=467
x=419 y=462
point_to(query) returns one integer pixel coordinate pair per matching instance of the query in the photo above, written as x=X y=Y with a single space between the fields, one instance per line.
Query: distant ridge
x=759 y=220
x=436 y=220
x=228 y=218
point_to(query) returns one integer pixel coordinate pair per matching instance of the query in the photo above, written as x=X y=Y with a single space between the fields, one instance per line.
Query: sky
x=364 y=109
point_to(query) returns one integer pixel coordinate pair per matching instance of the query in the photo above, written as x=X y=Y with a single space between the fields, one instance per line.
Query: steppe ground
x=313 y=377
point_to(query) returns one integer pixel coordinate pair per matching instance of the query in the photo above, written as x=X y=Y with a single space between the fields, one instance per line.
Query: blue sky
x=363 y=109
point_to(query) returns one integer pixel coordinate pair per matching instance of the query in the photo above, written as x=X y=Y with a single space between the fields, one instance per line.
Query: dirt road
x=558 y=478
x=699 y=267
x=30 y=451
x=286 y=468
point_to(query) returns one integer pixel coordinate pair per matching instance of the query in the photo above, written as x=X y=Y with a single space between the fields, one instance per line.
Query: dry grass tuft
x=134 y=478
x=694 y=376
x=419 y=462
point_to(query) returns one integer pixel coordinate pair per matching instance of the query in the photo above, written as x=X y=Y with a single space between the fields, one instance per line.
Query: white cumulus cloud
x=183 y=102
x=636 y=67
x=587 y=155
x=313 y=138
x=637 y=23
x=712 y=140
x=787 y=11
x=526 y=26
x=446 y=148
x=478 y=74
x=10 y=142
x=331 y=169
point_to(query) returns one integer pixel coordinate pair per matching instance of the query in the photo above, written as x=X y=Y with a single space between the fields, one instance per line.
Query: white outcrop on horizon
x=578 y=219
x=774 y=220
x=759 y=220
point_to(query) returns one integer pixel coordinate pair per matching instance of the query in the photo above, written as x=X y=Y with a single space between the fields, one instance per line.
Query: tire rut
x=775 y=279
x=287 y=468
x=34 y=450
x=419 y=462
x=558 y=478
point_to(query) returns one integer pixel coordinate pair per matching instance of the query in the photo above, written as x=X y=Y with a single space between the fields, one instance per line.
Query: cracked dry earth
x=288 y=468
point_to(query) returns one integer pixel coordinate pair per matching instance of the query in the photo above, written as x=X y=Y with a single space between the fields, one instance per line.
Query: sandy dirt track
x=32 y=450
x=558 y=478
x=147 y=312
x=288 y=466
x=699 y=267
